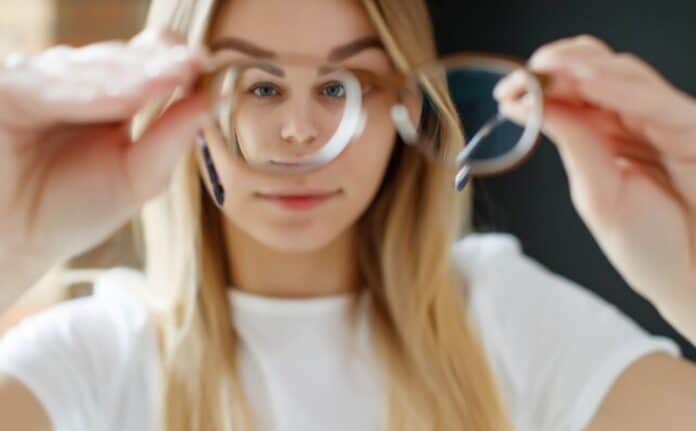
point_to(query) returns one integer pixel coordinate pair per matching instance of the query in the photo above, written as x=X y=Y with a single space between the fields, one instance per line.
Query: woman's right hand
x=70 y=173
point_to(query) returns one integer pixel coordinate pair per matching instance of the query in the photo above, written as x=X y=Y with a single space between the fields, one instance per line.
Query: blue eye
x=264 y=90
x=335 y=90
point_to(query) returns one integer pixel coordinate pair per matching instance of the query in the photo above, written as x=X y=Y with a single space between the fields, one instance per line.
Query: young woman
x=355 y=312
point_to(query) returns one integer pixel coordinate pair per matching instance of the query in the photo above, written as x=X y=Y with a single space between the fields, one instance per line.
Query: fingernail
x=517 y=111
x=116 y=89
x=145 y=37
x=504 y=88
x=163 y=66
x=539 y=60
x=157 y=69
x=582 y=71
x=501 y=88
x=180 y=54
x=509 y=85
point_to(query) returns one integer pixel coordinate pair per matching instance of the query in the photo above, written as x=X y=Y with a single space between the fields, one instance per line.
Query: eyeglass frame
x=399 y=80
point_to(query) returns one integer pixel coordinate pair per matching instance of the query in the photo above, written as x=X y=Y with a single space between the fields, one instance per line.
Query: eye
x=335 y=89
x=264 y=90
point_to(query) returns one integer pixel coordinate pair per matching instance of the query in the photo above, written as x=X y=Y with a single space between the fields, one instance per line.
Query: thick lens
x=469 y=87
x=288 y=117
x=471 y=90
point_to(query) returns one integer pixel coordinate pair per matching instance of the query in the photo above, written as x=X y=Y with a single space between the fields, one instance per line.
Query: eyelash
x=270 y=84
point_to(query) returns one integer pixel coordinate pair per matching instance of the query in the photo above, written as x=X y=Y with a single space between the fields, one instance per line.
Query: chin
x=295 y=237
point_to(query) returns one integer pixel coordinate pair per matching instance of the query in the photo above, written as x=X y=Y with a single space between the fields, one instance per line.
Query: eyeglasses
x=295 y=113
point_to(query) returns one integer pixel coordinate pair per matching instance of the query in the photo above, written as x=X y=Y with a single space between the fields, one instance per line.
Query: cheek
x=256 y=133
x=358 y=171
x=367 y=157
x=238 y=180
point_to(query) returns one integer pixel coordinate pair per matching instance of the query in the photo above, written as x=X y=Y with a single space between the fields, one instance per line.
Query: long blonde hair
x=437 y=375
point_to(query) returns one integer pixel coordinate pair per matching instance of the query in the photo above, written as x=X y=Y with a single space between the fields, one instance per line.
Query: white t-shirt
x=555 y=349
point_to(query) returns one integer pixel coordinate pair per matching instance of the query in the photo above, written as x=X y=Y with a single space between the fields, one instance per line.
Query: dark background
x=533 y=201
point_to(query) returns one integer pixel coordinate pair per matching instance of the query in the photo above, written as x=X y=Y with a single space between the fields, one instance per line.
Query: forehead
x=307 y=26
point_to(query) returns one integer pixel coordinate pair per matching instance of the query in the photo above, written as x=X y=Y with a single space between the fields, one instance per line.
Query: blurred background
x=34 y=24
x=531 y=202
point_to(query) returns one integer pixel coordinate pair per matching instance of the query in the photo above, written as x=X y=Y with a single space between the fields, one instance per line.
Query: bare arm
x=630 y=162
x=18 y=275
x=658 y=392
x=19 y=409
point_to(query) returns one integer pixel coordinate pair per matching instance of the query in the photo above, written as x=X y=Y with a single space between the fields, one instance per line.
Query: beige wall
x=83 y=21
x=25 y=25
x=34 y=24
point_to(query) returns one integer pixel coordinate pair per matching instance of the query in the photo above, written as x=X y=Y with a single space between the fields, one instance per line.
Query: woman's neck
x=259 y=269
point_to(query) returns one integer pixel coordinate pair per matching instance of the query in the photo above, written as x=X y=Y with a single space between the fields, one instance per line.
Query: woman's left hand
x=627 y=139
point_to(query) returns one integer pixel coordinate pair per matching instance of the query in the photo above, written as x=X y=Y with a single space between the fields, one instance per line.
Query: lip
x=280 y=163
x=298 y=200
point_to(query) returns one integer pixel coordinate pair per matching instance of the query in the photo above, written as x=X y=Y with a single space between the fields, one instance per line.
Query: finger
x=554 y=57
x=580 y=135
x=515 y=85
x=511 y=86
x=610 y=81
x=579 y=47
x=98 y=83
x=598 y=156
x=148 y=163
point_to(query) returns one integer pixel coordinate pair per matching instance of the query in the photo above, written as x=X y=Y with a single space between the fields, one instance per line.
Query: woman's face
x=316 y=28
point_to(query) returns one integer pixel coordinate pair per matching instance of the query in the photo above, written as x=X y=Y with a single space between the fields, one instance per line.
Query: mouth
x=279 y=163
x=299 y=166
x=298 y=200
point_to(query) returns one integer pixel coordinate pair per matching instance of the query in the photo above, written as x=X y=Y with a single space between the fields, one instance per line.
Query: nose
x=299 y=127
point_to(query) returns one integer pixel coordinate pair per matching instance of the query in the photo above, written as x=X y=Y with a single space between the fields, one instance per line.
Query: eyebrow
x=338 y=53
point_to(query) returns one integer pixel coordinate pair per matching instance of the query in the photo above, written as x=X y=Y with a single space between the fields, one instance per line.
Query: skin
x=311 y=253
x=627 y=139
x=592 y=117
x=98 y=179
x=72 y=175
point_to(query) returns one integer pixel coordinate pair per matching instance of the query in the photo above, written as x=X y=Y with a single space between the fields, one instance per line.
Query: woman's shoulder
x=475 y=252
x=87 y=359
x=122 y=289
x=513 y=285
x=114 y=308
x=108 y=327
x=494 y=267
x=556 y=346
x=525 y=300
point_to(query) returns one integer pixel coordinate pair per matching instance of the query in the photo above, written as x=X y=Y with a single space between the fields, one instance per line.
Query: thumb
x=586 y=139
x=149 y=161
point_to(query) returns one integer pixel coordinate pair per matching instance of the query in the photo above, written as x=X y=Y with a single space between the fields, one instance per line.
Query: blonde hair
x=437 y=375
